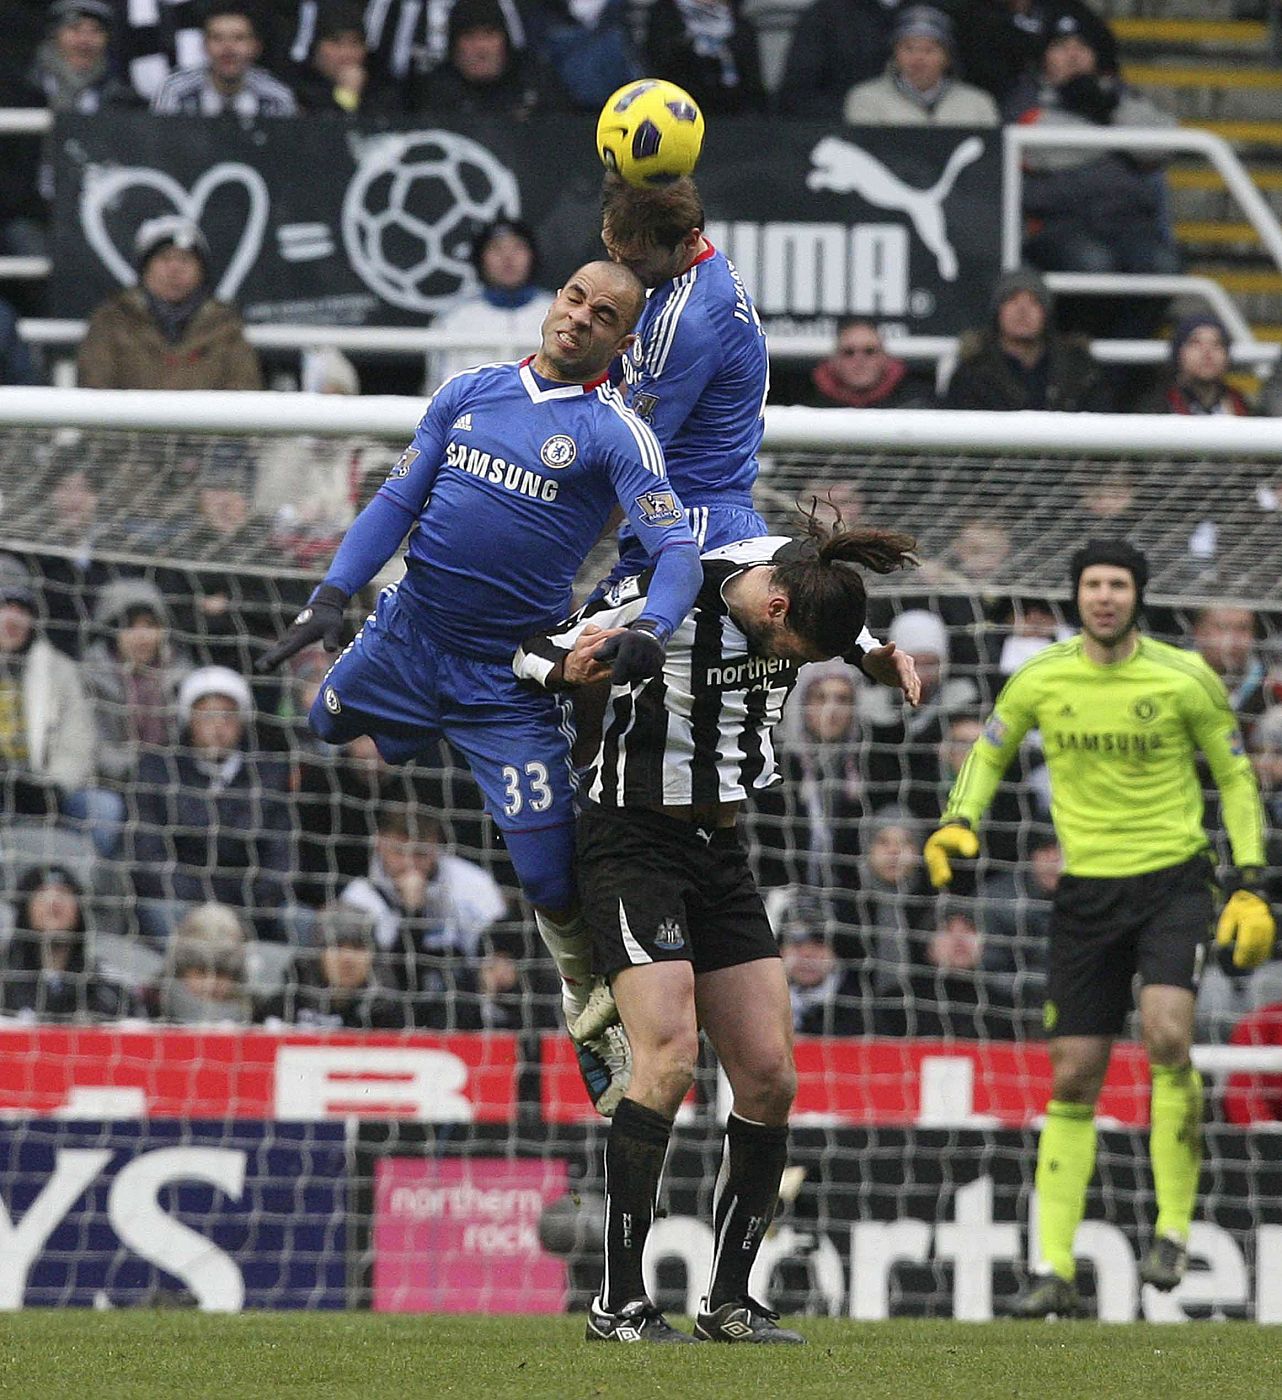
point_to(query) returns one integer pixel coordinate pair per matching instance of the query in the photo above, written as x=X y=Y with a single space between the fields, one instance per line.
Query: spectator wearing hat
x=918 y=87
x=168 y=332
x=69 y=72
x=49 y=972
x=507 y=312
x=337 y=80
x=46 y=724
x=710 y=48
x=1000 y=41
x=1020 y=361
x=211 y=816
x=205 y=976
x=336 y=985
x=860 y=373
x=1088 y=210
x=903 y=755
x=1198 y=365
x=484 y=73
x=827 y=997
x=228 y=82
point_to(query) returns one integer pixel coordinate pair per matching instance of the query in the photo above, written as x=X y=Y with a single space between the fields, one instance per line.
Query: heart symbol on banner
x=104 y=186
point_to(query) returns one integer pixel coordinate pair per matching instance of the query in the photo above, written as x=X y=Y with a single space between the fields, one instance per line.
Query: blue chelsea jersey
x=512 y=480
x=698 y=374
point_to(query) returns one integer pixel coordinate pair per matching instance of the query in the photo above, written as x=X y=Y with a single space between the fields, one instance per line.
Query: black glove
x=1089 y=96
x=637 y=653
x=320 y=621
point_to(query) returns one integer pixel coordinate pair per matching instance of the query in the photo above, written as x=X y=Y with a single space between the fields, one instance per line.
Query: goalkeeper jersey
x=1120 y=743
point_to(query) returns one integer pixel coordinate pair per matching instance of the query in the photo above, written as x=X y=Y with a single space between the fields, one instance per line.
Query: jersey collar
x=708 y=252
x=534 y=384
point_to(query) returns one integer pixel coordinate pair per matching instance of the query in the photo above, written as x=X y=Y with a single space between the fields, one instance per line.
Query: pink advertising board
x=462 y=1235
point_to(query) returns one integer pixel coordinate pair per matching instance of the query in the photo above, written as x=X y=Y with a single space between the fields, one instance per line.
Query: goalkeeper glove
x=320 y=621
x=638 y=654
x=1246 y=924
x=954 y=838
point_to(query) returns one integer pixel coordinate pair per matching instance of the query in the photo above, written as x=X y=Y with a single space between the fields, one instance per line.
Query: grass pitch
x=49 y=1355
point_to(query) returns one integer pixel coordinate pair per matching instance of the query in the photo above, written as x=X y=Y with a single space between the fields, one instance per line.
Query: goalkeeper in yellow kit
x=1121 y=718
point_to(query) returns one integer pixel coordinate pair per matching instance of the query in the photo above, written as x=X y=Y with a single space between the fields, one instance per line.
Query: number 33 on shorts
x=536 y=795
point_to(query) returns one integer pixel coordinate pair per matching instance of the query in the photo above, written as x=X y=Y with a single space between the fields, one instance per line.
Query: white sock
x=571 y=950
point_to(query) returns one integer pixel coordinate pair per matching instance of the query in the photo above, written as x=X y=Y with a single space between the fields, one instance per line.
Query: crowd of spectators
x=268 y=878
x=254 y=874
x=966 y=63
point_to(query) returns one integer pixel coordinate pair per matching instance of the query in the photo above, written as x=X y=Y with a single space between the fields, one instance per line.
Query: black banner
x=331 y=222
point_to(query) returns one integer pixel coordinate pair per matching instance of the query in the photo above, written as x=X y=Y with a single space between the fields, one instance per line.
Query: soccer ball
x=650 y=132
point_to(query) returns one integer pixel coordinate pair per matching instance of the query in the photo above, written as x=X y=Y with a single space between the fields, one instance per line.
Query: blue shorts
x=405 y=691
x=712 y=527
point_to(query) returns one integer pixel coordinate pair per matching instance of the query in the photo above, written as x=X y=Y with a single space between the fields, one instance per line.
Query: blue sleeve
x=690 y=363
x=678 y=576
x=378 y=530
x=635 y=462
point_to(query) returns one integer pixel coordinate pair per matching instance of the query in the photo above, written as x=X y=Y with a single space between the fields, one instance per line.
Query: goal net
x=277 y=1027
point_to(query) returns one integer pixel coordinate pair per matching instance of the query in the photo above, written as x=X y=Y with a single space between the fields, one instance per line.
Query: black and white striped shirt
x=191 y=93
x=701 y=732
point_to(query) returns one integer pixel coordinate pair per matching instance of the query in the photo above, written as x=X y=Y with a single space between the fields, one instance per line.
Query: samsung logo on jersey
x=506 y=474
x=751 y=671
x=1108 y=743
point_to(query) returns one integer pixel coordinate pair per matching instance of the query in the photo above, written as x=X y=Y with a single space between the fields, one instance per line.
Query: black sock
x=634 y=1154
x=752 y=1164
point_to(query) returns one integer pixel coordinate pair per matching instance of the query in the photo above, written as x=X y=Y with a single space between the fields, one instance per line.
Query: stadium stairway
x=1217 y=74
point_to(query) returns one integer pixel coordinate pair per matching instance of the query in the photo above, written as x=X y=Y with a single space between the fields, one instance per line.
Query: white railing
x=831 y=430
x=1133 y=140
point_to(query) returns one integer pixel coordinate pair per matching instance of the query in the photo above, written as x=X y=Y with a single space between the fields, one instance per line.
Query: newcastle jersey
x=701 y=732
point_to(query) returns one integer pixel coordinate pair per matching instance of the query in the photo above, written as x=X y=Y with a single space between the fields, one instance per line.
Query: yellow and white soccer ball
x=650 y=132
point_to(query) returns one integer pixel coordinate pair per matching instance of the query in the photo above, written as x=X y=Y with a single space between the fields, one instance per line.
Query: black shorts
x=1104 y=932
x=656 y=889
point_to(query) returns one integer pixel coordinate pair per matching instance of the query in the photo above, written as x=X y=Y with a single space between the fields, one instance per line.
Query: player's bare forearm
x=579 y=666
x=887 y=665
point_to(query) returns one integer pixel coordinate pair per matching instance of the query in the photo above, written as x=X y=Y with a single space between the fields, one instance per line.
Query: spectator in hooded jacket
x=509 y=308
x=168 y=332
x=708 y=47
x=337 y=79
x=1089 y=210
x=484 y=74
x=336 y=985
x=71 y=71
x=49 y=974
x=861 y=374
x=1199 y=363
x=46 y=724
x=212 y=820
x=1021 y=361
x=918 y=87
x=132 y=672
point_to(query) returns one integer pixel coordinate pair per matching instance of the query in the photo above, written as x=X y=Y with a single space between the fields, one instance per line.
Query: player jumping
x=509 y=481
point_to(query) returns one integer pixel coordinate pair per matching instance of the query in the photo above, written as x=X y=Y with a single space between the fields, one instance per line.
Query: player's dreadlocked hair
x=827 y=599
x=661 y=215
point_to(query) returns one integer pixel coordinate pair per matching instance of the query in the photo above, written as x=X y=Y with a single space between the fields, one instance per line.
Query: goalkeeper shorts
x=1104 y=933
x=657 y=889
